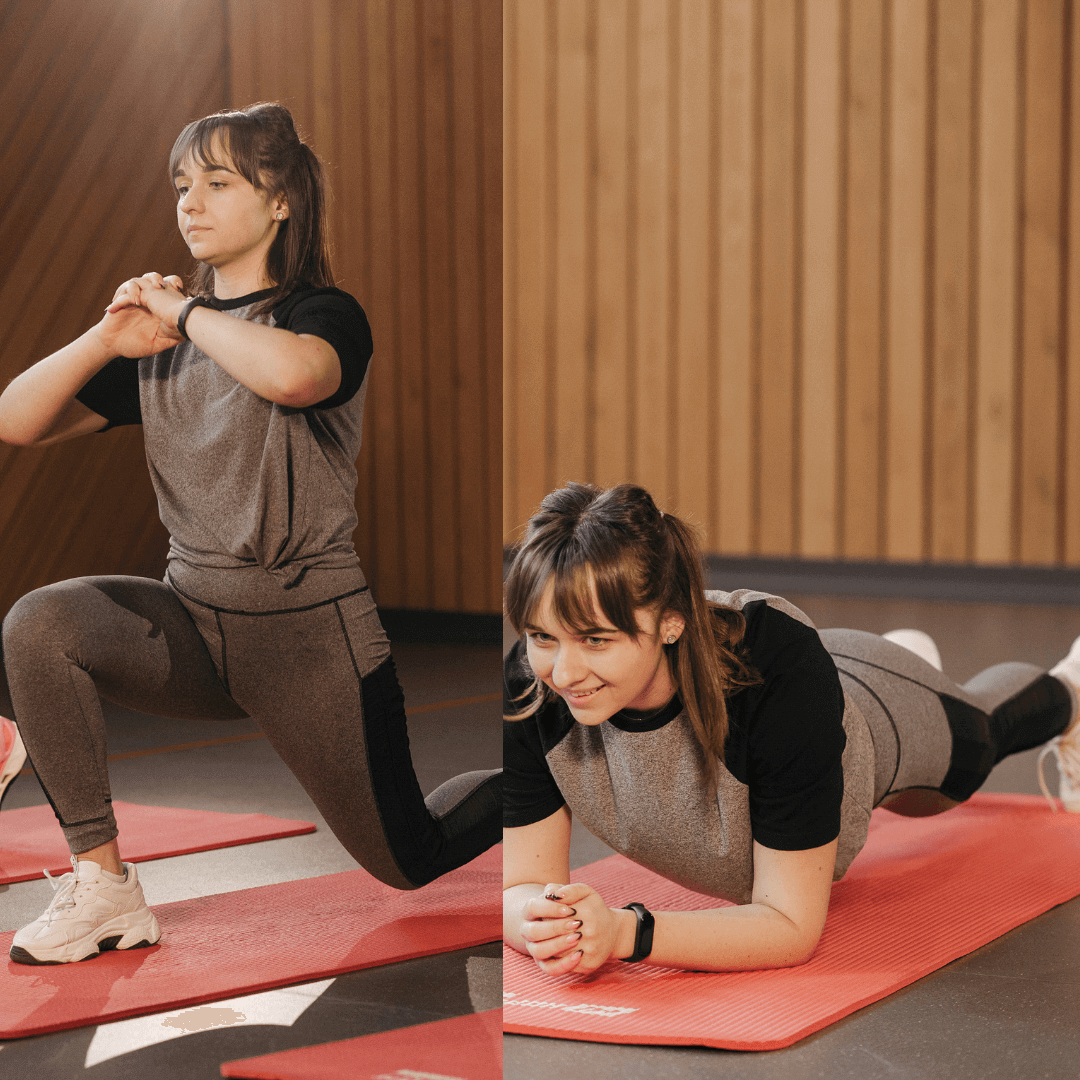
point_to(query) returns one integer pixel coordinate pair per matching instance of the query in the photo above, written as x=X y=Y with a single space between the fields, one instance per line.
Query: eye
x=182 y=189
x=217 y=183
x=597 y=641
x=538 y=638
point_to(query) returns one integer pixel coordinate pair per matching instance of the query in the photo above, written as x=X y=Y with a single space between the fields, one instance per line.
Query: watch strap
x=643 y=937
x=186 y=310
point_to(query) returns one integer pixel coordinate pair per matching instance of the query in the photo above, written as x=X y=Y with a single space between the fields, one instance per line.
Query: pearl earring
x=671 y=639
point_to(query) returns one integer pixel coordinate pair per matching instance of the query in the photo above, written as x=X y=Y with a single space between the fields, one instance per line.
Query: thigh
x=131 y=636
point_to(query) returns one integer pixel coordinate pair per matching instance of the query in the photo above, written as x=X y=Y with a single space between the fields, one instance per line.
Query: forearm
x=34 y=402
x=746 y=937
x=278 y=365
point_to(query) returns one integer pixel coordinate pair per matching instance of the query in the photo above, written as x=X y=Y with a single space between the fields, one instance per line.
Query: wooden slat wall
x=92 y=95
x=402 y=100
x=802 y=268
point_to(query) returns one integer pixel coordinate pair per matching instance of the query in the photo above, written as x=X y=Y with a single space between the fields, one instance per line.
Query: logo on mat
x=589 y=1010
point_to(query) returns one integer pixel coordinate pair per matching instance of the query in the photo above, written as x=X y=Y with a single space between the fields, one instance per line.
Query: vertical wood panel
x=776 y=415
x=1071 y=435
x=820 y=321
x=732 y=531
x=862 y=343
x=877 y=307
x=906 y=277
x=997 y=300
x=1040 y=388
x=690 y=438
x=612 y=417
x=653 y=302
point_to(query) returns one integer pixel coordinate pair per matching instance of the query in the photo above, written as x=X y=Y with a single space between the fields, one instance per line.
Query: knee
x=41 y=618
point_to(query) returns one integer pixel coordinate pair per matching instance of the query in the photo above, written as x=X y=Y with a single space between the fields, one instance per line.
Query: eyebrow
x=208 y=167
x=587 y=631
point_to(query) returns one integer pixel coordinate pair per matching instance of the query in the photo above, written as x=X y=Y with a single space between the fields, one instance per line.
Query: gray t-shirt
x=242 y=481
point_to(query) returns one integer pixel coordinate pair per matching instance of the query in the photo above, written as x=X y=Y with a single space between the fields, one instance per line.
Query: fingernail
x=573 y=937
x=572 y=911
x=552 y=896
x=575 y=925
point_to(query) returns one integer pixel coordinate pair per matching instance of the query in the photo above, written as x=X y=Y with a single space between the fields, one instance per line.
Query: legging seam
x=224 y=655
x=889 y=671
x=348 y=644
x=888 y=716
x=256 y=614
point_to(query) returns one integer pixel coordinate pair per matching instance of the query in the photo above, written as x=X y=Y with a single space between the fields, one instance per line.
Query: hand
x=574 y=932
x=141 y=320
x=161 y=296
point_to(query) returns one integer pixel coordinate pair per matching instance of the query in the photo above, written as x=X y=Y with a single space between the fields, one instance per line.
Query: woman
x=719 y=740
x=250 y=391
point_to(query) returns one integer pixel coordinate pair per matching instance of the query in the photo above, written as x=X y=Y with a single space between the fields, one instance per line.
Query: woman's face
x=601 y=670
x=224 y=220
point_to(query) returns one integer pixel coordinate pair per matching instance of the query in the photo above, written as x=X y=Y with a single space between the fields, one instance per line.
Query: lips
x=578 y=697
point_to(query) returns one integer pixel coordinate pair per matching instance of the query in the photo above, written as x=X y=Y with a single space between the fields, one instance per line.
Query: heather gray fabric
x=316 y=678
x=242 y=481
x=644 y=792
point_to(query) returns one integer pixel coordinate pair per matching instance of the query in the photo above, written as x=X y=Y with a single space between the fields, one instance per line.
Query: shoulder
x=310 y=299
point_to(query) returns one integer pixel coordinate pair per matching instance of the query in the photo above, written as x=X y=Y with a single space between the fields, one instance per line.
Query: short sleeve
x=114 y=393
x=796 y=744
x=338 y=319
x=530 y=793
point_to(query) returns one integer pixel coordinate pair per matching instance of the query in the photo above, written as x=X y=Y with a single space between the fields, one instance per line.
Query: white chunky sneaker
x=1066 y=747
x=12 y=754
x=92 y=911
x=918 y=642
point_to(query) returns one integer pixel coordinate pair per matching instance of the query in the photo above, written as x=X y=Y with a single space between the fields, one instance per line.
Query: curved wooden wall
x=801 y=267
x=403 y=101
x=92 y=95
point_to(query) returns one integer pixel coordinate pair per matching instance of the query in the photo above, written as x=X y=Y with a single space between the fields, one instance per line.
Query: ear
x=672 y=626
x=279 y=207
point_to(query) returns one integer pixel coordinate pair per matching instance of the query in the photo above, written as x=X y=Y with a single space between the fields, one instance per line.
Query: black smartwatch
x=643 y=937
x=185 y=311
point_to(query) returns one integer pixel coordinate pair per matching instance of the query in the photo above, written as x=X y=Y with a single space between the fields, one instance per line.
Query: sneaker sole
x=13 y=766
x=106 y=944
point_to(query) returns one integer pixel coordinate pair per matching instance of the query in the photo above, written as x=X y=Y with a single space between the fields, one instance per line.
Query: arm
x=780 y=927
x=39 y=406
x=543 y=929
x=289 y=369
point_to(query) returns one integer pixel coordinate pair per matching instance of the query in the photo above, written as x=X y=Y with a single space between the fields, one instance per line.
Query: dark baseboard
x=441 y=627
x=923 y=581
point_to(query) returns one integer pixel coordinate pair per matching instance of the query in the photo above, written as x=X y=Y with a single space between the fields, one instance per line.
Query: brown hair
x=265 y=149
x=637 y=557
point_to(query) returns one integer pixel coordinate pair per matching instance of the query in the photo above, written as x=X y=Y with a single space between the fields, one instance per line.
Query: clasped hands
x=141 y=320
x=570 y=928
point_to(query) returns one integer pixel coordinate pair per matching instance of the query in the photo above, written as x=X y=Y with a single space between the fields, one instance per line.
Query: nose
x=568 y=668
x=188 y=201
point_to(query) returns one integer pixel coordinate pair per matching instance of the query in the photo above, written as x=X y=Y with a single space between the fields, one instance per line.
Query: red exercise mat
x=466 y=1047
x=31 y=840
x=923 y=892
x=241 y=942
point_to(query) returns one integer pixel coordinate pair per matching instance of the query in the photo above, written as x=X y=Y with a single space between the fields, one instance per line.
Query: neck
x=241 y=278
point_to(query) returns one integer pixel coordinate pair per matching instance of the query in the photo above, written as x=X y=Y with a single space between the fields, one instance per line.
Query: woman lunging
x=721 y=741
x=250 y=391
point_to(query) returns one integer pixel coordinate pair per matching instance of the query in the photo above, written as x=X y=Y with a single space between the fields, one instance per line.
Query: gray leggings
x=317 y=678
x=931 y=734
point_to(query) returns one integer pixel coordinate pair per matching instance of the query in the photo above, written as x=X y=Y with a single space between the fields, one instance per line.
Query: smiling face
x=598 y=670
x=225 y=221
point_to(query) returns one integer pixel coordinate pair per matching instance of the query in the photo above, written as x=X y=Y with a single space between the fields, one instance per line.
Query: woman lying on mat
x=719 y=740
x=250 y=390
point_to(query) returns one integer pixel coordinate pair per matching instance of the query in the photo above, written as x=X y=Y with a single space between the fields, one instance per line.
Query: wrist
x=626 y=937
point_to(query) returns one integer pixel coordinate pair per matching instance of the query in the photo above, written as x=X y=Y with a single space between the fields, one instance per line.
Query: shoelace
x=1067 y=756
x=63 y=890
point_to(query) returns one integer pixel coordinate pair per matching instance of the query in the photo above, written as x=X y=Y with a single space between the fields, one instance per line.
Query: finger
x=540 y=907
x=563 y=965
x=568 y=894
x=547 y=929
x=176 y=282
x=557 y=946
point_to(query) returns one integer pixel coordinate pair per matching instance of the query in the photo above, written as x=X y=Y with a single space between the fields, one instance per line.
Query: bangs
x=207 y=140
x=584 y=595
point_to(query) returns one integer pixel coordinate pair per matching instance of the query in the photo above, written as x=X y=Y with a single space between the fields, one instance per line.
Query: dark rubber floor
x=246 y=775
x=1009 y=1010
